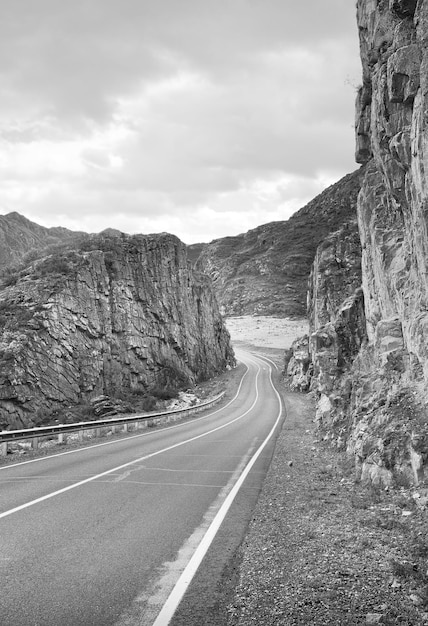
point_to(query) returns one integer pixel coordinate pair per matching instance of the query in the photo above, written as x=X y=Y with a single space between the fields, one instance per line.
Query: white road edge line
x=260 y=356
x=109 y=443
x=143 y=458
x=180 y=588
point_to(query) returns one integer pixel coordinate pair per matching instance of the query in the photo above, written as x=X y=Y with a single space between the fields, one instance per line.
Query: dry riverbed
x=265 y=332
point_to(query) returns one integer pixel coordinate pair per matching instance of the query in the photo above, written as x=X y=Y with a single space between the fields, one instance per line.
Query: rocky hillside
x=265 y=271
x=19 y=236
x=117 y=315
x=368 y=355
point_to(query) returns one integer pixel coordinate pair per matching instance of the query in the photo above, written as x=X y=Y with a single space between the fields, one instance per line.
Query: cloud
x=157 y=113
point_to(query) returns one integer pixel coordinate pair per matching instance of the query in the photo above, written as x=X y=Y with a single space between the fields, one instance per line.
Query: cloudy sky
x=199 y=117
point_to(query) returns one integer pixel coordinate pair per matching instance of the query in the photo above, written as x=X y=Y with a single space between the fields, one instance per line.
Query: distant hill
x=19 y=236
x=265 y=271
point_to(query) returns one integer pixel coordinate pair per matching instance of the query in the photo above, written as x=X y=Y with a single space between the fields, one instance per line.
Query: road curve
x=112 y=533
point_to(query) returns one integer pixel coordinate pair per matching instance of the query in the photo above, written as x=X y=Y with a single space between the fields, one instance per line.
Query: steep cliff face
x=336 y=318
x=120 y=314
x=265 y=271
x=394 y=200
x=392 y=208
x=377 y=404
x=335 y=274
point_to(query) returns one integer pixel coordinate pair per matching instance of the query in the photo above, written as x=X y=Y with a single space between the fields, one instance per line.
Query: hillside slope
x=265 y=271
x=19 y=236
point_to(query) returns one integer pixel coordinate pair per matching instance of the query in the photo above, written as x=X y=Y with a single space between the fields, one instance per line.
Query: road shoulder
x=322 y=549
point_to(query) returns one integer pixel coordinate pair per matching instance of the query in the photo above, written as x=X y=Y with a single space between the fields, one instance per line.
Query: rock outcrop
x=265 y=271
x=389 y=427
x=336 y=315
x=374 y=400
x=118 y=315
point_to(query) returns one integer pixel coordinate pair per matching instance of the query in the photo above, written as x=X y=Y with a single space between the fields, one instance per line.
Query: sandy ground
x=265 y=332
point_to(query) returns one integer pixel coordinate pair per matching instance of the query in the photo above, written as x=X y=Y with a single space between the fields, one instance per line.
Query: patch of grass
x=404 y=502
x=419 y=546
x=367 y=497
x=164 y=393
x=327 y=472
x=401 y=480
x=346 y=465
x=364 y=543
x=404 y=570
x=388 y=522
x=148 y=403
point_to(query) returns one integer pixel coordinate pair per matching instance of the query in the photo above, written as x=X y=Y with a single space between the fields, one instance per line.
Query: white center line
x=116 y=441
x=130 y=463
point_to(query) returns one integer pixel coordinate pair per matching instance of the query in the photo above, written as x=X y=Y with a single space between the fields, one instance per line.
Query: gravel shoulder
x=323 y=549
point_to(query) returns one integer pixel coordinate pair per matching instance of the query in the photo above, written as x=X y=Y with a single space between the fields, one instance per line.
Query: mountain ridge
x=19 y=235
x=265 y=270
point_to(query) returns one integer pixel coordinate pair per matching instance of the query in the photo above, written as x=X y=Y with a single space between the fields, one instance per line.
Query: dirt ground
x=265 y=332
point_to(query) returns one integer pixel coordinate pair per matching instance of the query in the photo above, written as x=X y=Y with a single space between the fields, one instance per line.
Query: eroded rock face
x=392 y=209
x=125 y=313
x=377 y=405
x=335 y=274
x=298 y=364
x=336 y=315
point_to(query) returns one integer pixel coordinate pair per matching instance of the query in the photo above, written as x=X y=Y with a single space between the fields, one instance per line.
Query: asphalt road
x=101 y=535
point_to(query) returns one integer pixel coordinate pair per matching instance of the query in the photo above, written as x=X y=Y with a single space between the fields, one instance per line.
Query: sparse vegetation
x=164 y=393
x=58 y=258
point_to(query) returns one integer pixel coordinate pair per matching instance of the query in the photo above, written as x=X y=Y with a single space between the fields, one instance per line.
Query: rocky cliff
x=335 y=303
x=374 y=401
x=117 y=315
x=265 y=271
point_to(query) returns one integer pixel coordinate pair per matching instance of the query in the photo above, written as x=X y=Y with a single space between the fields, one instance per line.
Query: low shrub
x=164 y=393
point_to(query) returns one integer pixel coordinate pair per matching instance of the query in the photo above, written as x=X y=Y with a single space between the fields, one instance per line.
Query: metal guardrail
x=61 y=430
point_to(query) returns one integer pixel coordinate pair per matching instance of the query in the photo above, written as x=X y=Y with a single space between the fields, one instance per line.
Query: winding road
x=114 y=533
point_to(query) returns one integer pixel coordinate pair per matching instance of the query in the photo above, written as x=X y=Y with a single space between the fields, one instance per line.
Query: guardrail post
x=61 y=438
x=125 y=428
x=35 y=443
x=3 y=448
x=98 y=432
x=80 y=435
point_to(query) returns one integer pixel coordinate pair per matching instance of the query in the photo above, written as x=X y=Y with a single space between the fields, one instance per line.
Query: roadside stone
x=416 y=599
x=373 y=618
